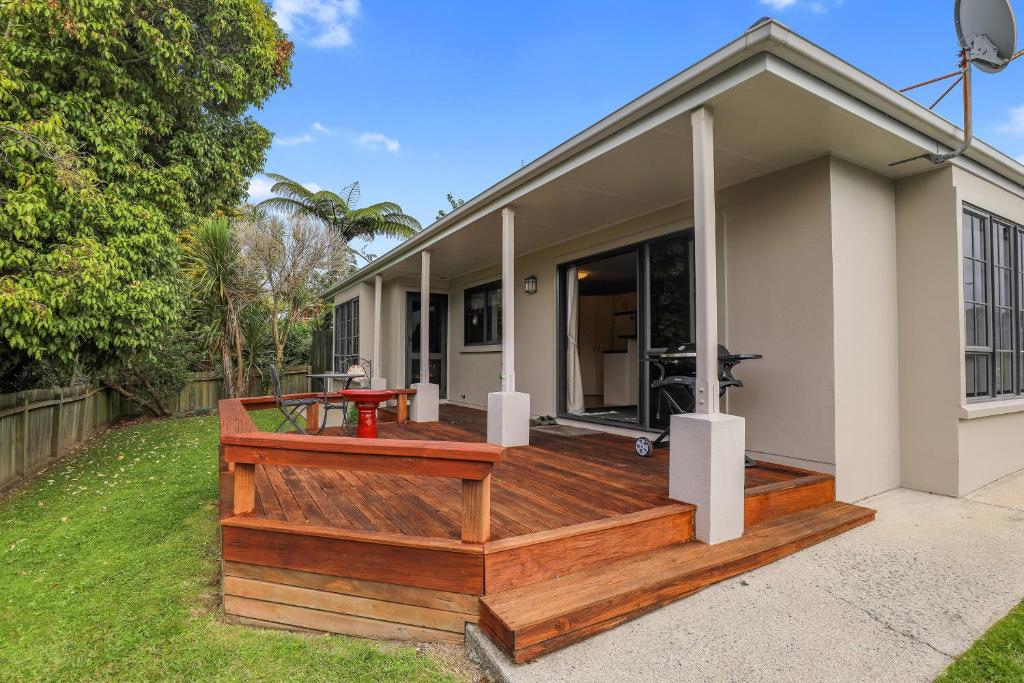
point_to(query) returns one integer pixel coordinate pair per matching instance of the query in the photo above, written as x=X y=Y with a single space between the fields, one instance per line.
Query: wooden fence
x=38 y=425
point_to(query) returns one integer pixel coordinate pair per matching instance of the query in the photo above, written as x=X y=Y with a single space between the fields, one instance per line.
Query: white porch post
x=377 y=379
x=707 y=447
x=508 y=411
x=425 y=406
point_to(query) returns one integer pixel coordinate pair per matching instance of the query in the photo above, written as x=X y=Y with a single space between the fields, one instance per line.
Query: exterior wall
x=866 y=329
x=779 y=290
x=948 y=446
x=847 y=282
x=775 y=275
x=990 y=446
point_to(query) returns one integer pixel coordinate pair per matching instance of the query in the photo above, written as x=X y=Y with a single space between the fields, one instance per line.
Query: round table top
x=367 y=395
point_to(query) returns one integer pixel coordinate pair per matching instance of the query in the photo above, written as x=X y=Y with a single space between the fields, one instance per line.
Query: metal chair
x=353 y=365
x=676 y=382
x=289 y=407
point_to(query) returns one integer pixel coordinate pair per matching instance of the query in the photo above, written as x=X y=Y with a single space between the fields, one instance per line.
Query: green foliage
x=453 y=202
x=121 y=123
x=110 y=573
x=996 y=657
x=338 y=210
x=154 y=378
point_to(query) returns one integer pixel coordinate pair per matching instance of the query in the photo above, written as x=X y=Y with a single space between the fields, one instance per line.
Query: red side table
x=367 y=402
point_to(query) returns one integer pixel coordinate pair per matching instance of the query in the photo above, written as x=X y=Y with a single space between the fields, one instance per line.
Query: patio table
x=367 y=402
x=327 y=380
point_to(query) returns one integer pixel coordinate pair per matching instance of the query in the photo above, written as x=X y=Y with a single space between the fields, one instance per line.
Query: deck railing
x=244 y=447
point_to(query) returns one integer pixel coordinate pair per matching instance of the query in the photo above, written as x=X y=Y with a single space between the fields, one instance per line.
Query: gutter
x=767 y=36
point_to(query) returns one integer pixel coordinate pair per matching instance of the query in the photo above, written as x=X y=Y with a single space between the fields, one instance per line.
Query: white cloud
x=321 y=128
x=259 y=189
x=1015 y=124
x=375 y=141
x=323 y=23
x=815 y=6
x=295 y=140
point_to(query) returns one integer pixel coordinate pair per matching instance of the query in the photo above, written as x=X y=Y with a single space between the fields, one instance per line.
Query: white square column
x=706 y=464
x=706 y=469
x=508 y=411
x=427 y=402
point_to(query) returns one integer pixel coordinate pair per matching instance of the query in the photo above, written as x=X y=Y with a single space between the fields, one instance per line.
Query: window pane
x=475 y=314
x=670 y=292
x=494 y=314
x=482 y=314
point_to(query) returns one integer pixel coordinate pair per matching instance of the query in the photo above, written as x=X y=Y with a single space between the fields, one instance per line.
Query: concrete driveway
x=896 y=600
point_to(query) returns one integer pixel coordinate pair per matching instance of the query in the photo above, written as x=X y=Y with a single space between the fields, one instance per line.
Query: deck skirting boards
x=307 y=601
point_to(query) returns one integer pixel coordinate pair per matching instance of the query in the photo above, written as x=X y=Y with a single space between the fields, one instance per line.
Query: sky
x=418 y=99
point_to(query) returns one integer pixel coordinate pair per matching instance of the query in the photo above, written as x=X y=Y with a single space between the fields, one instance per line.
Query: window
x=346 y=334
x=993 y=267
x=482 y=315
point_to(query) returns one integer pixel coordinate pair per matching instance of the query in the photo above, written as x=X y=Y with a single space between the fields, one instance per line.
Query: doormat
x=566 y=430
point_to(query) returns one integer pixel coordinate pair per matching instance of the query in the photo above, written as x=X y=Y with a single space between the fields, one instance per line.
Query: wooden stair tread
x=594 y=599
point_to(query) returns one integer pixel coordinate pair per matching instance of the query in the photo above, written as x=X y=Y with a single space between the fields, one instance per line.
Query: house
x=886 y=300
x=749 y=201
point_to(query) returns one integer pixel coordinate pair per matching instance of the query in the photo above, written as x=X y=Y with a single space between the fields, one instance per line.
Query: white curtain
x=573 y=375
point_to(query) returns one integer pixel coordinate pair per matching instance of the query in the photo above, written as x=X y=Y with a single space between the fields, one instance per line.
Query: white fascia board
x=862 y=94
x=495 y=197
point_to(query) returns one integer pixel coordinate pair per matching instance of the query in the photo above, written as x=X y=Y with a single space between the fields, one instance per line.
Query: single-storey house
x=750 y=202
x=887 y=301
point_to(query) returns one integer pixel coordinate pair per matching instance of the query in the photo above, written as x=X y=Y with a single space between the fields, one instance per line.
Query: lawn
x=996 y=657
x=110 y=572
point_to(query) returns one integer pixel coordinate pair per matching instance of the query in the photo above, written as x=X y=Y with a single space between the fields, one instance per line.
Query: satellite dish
x=987 y=29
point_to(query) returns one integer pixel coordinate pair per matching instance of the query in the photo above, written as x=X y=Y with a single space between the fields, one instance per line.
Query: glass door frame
x=439 y=299
x=643 y=252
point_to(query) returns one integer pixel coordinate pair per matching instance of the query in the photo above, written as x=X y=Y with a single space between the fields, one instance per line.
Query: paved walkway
x=895 y=600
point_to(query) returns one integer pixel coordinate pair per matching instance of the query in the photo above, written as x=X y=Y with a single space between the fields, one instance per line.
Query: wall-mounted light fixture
x=530 y=284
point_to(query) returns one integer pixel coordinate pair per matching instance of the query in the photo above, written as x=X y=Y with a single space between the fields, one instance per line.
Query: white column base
x=426 y=403
x=508 y=418
x=378 y=383
x=706 y=469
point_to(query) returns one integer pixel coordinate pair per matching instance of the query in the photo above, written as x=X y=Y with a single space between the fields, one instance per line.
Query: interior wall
x=865 y=296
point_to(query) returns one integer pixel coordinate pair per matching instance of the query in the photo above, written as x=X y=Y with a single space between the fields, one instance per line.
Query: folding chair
x=289 y=407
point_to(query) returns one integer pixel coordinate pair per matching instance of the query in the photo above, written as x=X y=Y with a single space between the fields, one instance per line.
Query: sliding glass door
x=615 y=308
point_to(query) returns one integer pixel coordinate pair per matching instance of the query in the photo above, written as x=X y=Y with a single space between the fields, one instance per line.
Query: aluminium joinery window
x=346 y=334
x=993 y=278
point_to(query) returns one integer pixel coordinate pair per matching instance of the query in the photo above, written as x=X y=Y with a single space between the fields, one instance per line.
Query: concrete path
x=895 y=600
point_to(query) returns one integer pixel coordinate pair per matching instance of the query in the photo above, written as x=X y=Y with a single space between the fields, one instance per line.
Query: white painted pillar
x=706 y=451
x=508 y=299
x=508 y=411
x=377 y=380
x=426 y=404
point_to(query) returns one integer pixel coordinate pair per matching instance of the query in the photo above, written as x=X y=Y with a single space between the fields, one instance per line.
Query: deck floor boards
x=554 y=482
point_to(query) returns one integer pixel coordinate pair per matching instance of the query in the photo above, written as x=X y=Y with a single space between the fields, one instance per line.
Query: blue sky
x=416 y=99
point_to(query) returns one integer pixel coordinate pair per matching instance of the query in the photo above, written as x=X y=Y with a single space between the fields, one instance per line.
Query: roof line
x=766 y=36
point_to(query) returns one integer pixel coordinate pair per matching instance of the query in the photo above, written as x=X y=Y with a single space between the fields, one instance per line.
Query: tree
x=293 y=259
x=222 y=287
x=455 y=204
x=338 y=210
x=122 y=122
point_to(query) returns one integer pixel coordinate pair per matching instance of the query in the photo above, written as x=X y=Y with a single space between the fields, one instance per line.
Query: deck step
x=533 y=620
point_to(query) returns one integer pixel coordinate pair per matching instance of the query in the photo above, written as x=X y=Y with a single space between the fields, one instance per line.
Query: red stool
x=367 y=401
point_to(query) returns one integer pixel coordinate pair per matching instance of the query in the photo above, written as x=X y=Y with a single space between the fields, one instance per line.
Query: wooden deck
x=556 y=481
x=582 y=535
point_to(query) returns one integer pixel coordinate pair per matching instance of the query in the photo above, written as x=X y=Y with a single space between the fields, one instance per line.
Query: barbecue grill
x=675 y=380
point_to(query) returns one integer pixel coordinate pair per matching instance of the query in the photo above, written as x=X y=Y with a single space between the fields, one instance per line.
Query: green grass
x=109 y=571
x=997 y=656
